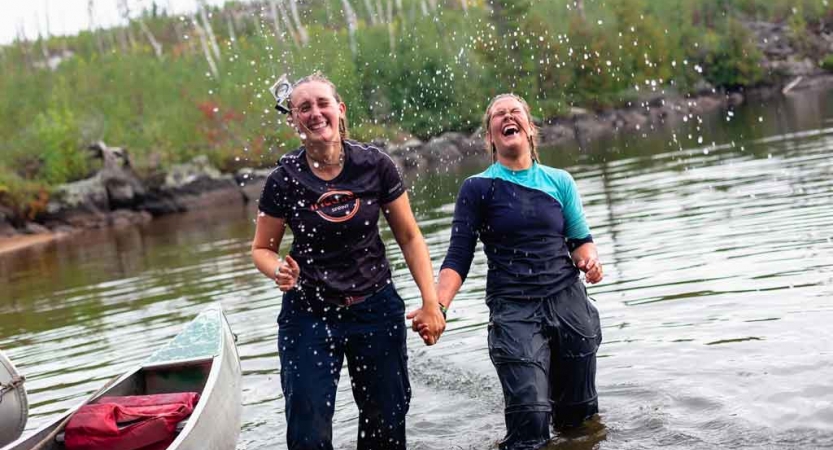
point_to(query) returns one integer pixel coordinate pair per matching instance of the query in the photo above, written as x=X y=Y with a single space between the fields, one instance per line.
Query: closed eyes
x=503 y=112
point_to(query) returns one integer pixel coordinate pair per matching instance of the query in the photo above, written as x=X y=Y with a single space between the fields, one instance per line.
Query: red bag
x=141 y=422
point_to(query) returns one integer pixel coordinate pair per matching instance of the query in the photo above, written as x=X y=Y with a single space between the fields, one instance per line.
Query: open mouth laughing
x=318 y=125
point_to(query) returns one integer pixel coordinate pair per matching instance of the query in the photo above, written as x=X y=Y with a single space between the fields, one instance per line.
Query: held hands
x=286 y=275
x=428 y=322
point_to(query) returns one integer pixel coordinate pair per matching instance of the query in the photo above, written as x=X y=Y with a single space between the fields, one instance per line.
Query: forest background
x=169 y=88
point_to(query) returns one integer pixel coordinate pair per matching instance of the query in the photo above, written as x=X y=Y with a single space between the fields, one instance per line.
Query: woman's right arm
x=448 y=285
x=464 y=235
x=269 y=233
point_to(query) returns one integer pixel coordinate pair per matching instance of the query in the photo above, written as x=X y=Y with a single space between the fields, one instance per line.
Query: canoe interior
x=184 y=376
x=181 y=377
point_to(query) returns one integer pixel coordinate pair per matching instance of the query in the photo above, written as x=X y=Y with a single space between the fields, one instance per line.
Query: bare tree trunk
x=46 y=16
x=124 y=10
x=432 y=4
x=231 y=33
x=391 y=34
x=93 y=28
x=157 y=47
x=424 y=7
x=180 y=36
x=205 y=48
x=371 y=12
x=130 y=37
x=115 y=39
x=273 y=11
x=401 y=12
x=465 y=5
x=44 y=49
x=302 y=32
x=352 y=24
x=25 y=49
x=208 y=30
x=381 y=11
x=121 y=34
x=287 y=23
x=40 y=43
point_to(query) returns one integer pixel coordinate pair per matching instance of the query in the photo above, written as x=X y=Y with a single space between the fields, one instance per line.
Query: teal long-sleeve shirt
x=528 y=220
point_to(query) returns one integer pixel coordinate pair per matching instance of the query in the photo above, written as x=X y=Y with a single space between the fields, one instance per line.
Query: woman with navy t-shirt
x=543 y=332
x=339 y=300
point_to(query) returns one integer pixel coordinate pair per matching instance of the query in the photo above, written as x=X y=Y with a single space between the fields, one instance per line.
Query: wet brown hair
x=319 y=77
x=532 y=133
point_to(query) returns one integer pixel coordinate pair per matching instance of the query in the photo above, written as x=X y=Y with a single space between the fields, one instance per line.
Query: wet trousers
x=544 y=352
x=313 y=340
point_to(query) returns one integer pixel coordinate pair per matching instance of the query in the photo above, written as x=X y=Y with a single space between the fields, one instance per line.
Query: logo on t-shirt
x=337 y=206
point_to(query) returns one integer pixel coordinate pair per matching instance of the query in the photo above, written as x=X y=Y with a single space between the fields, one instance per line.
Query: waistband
x=570 y=285
x=347 y=300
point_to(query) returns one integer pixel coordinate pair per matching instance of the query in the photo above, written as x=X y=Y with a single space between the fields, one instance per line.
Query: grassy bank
x=405 y=68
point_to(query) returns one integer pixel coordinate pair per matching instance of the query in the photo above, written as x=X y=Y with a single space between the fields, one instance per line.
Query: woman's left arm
x=405 y=230
x=584 y=255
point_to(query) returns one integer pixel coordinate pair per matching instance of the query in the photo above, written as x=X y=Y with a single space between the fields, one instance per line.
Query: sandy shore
x=12 y=244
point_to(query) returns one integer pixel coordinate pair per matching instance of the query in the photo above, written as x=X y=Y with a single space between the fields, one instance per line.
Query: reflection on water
x=718 y=243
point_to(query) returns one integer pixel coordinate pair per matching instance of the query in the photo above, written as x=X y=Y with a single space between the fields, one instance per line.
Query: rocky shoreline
x=116 y=196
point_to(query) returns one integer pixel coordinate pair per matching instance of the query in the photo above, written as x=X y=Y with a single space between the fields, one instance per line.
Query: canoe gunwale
x=226 y=356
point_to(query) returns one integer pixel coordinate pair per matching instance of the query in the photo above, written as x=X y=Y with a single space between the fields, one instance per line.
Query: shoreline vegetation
x=185 y=99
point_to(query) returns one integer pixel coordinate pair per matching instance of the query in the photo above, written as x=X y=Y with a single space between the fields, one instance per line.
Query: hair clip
x=281 y=91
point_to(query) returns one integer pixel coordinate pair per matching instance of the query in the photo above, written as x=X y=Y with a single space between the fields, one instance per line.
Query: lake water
x=716 y=307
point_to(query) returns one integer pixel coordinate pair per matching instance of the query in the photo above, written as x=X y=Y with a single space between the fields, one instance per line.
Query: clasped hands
x=428 y=322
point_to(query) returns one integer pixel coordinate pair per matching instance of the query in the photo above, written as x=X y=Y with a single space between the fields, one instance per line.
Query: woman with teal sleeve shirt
x=543 y=330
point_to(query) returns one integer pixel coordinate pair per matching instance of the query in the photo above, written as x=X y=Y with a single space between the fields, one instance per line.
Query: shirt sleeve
x=465 y=230
x=392 y=184
x=575 y=230
x=575 y=223
x=273 y=198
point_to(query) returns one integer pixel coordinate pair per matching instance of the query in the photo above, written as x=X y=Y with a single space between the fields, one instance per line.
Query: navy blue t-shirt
x=335 y=223
x=528 y=220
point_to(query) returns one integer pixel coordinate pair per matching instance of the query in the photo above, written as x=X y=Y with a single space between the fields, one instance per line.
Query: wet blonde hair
x=319 y=77
x=532 y=133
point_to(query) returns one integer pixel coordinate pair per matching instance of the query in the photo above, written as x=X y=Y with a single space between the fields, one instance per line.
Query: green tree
x=732 y=60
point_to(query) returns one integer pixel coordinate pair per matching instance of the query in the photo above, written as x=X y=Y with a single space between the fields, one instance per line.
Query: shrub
x=55 y=136
x=25 y=198
x=733 y=59
x=827 y=63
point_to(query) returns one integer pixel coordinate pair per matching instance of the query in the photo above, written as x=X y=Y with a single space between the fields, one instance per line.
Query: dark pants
x=313 y=339
x=545 y=355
